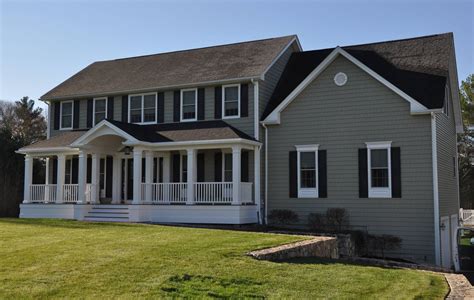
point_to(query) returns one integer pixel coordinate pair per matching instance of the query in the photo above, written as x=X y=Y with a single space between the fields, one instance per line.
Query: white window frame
x=93 y=108
x=223 y=101
x=379 y=192
x=143 y=107
x=307 y=192
x=195 y=105
x=61 y=115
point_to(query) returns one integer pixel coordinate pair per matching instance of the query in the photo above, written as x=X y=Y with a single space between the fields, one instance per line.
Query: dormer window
x=100 y=109
x=188 y=105
x=231 y=101
x=66 y=115
x=142 y=108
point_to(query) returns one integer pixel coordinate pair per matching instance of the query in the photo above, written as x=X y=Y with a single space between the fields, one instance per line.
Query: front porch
x=212 y=182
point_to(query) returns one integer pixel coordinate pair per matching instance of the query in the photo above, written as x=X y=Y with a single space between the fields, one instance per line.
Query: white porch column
x=28 y=178
x=191 y=175
x=95 y=183
x=116 y=179
x=236 y=174
x=137 y=175
x=148 y=176
x=46 y=181
x=81 y=180
x=256 y=164
x=166 y=167
x=60 y=178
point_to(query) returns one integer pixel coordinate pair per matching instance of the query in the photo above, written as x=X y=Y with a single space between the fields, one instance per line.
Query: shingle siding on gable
x=341 y=120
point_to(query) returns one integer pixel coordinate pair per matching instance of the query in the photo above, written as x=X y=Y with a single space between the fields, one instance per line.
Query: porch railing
x=70 y=193
x=213 y=192
x=163 y=193
x=467 y=216
x=246 y=192
x=88 y=193
x=43 y=193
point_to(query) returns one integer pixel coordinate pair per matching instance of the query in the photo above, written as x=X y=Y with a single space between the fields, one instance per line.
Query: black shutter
x=55 y=170
x=363 y=173
x=76 y=109
x=218 y=167
x=200 y=108
x=90 y=103
x=125 y=108
x=110 y=108
x=89 y=170
x=293 y=174
x=322 y=174
x=176 y=168
x=200 y=167
x=75 y=169
x=244 y=100
x=176 y=106
x=244 y=166
x=161 y=107
x=108 y=171
x=56 y=109
x=396 y=173
x=218 y=102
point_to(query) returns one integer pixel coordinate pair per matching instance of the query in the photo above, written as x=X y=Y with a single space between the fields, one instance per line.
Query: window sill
x=188 y=120
x=230 y=117
x=380 y=193
x=308 y=193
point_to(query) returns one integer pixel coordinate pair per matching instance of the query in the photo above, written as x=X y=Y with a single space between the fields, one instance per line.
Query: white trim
x=142 y=95
x=274 y=116
x=223 y=101
x=211 y=143
x=93 y=108
x=256 y=109
x=181 y=119
x=53 y=150
x=61 y=115
x=82 y=140
x=295 y=39
x=307 y=192
x=434 y=154
x=266 y=174
x=378 y=192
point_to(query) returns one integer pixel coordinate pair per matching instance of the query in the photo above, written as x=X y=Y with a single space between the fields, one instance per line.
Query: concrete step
x=107 y=211
x=103 y=219
x=110 y=206
x=106 y=215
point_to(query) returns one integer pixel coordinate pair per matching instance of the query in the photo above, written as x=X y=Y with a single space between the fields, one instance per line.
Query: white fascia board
x=84 y=139
x=47 y=151
x=274 y=116
x=191 y=144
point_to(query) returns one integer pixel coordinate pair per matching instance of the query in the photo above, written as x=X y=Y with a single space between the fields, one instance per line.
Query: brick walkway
x=460 y=287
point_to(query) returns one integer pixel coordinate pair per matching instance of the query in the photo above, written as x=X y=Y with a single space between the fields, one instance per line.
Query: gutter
x=265 y=202
x=434 y=154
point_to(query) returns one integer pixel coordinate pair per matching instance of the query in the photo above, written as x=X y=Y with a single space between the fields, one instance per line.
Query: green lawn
x=46 y=258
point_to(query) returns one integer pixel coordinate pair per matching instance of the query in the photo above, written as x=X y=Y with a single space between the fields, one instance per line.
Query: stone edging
x=460 y=287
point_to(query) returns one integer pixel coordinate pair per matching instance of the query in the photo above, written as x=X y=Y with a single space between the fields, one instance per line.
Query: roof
x=226 y=62
x=61 y=140
x=182 y=132
x=417 y=66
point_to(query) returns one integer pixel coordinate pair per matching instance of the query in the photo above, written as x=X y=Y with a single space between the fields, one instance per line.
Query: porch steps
x=108 y=213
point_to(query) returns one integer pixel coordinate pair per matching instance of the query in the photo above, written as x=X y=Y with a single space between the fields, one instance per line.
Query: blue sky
x=42 y=43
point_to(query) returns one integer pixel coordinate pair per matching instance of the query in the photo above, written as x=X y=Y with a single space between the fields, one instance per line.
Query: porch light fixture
x=127 y=150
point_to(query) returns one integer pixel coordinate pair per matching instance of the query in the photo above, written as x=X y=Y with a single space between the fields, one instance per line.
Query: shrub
x=283 y=216
x=317 y=221
x=337 y=219
x=383 y=243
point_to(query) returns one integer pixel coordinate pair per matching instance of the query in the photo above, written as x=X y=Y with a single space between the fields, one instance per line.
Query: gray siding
x=341 y=120
x=117 y=108
x=447 y=180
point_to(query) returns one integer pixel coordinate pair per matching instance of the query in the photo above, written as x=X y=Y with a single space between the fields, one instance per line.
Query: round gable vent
x=340 y=79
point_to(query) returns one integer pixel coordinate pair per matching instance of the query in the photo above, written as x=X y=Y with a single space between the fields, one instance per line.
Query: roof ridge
x=198 y=48
x=400 y=40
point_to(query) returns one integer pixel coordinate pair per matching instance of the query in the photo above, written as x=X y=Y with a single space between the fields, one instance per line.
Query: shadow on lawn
x=329 y=261
x=69 y=224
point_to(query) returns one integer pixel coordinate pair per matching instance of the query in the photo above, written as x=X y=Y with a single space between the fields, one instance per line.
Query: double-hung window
x=379 y=169
x=188 y=105
x=66 y=115
x=100 y=109
x=227 y=157
x=231 y=101
x=142 y=108
x=307 y=158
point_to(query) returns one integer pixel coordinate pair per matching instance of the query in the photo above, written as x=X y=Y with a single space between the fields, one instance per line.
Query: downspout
x=266 y=173
x=434 y=154
x=257 y=161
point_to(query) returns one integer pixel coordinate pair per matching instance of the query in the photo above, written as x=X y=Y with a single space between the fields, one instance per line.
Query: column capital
x=149 y=153
x=190 y=151
x=236 y=148
x=28 y=157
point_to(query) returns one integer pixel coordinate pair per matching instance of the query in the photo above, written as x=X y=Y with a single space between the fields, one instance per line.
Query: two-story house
x=226 y=134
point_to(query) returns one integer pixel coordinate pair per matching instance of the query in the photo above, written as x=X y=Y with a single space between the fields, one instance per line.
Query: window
x=66 y=115
x=68 y=172
x=184 y=168
x=142 y=108
x=188 y=105
x=100 y=110
x=227 y=167
x=379 y=169
x=307 y=171
x=231 y=101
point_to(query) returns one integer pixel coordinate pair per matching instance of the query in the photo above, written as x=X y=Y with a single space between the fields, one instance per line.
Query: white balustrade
x=88 y=192
x=43 y=193
x=70 y=193
x=246 y=192
x=213 y=192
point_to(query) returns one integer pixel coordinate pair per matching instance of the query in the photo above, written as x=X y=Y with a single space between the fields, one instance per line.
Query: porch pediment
x=104 y=128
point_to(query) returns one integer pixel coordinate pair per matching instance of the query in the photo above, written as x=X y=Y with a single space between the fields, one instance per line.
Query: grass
x=57 y=259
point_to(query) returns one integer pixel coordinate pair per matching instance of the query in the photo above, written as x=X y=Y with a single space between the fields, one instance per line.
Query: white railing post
x=148 y=176
x=46 y=181
x=60 y=178
x=137 y=175
x=95 y=187
x=191 y=176
x=236 y=174
x=28 y=178
x=81 y=182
